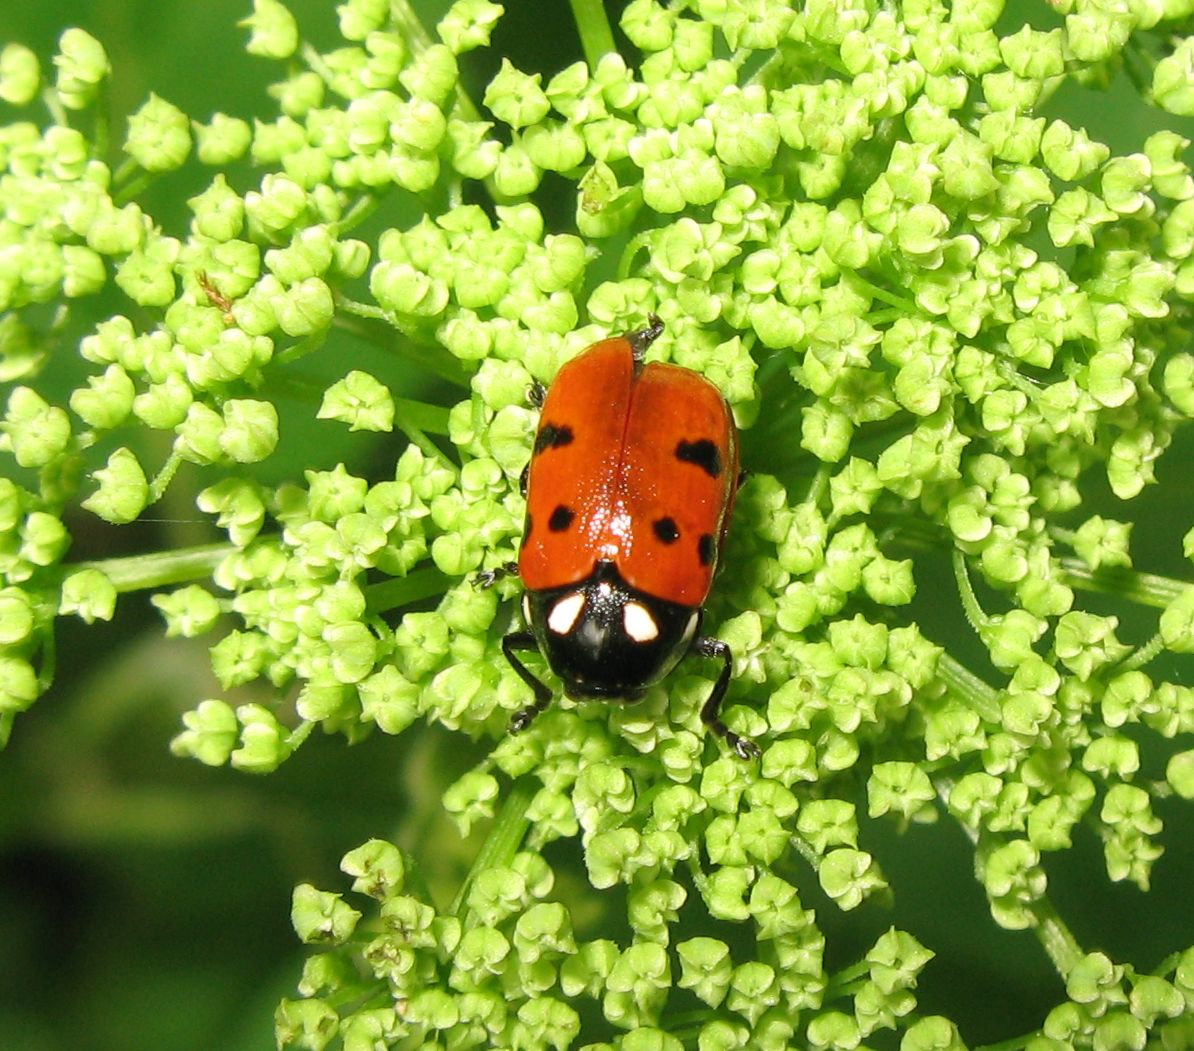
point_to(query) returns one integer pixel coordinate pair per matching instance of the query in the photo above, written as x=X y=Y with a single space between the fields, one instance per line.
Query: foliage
x=946 y=318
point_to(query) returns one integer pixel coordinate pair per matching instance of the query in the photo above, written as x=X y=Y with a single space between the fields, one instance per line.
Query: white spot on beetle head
x=565 y=613
x=639 y=622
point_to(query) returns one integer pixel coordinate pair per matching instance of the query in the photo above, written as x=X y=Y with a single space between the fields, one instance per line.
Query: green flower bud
x=554 y=146
x=159 y=136
x=1177 y=623
x=277 y=207
x=116 y=231
x=468 y=24
x=360 y=401
x=20 y=75
x=89 y=594
x=83 y=272
x=1070 y=153
x=210 y=734
x=146 y=276
x=224 y=140
x=82 y=65
x=263 y=748
x=849 y=877
x=106 y=401
x=1173 y=80
x=38 y=433
x=319 y=917
x=164 y=405
x=18 y=681
x=515 y=97
x=305 y=308
x=274 y=32
x=250 y=430
x=123 y=491
x=189 y=611
x=418 y=124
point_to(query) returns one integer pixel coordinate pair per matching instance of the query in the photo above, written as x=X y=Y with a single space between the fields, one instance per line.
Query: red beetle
x=629 y=493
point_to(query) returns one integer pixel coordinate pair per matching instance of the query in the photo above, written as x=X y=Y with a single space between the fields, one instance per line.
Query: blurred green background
x=144 y=901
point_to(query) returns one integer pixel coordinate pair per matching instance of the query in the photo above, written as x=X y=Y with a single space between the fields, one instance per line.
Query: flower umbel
x=953 y=326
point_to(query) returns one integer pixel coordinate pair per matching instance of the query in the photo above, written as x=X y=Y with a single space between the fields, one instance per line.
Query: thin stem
x=632 y=249
x=376 y=326
x=974 y=612
x=357 y=213
x=360 y=309
x=905 y=306
x=505 y=837
x=157 y=569
x=1145 y=589
x=1060 y=945
x=596 y=38
x=969 y=687
x=401 y=591
x=164 y=476
x=1144 y=654
x=306 y=345
x=57 y=110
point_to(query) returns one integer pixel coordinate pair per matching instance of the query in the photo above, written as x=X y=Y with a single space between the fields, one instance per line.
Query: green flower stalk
x=947 y=318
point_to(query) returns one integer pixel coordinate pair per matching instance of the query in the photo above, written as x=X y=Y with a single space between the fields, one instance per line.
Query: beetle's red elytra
x=629 y=493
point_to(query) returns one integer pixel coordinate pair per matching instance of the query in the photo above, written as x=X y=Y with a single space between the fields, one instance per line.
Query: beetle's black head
x=604 y=638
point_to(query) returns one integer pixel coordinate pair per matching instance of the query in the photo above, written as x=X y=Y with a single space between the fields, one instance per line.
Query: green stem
x=1012 y=1044
x=137 y=179
x=158 y=569
x=357 y=213
x=596 y=38
x=643 y=240
x=376 y=326
x=56 y=109
x=905 y=306
x=165 y=475
x=401 y=591
x=974 y=612
x=1149 y=651
x=1060 y=945
x=505 y=837
x=366 y=310
x=296 y=351
x=963 y=683
x=1145 y=589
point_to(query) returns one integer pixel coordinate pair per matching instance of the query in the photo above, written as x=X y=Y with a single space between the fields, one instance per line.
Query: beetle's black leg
x=536 y=392
x=711 y=712
x=486 y=578
x=524 y=640
x=522 y=479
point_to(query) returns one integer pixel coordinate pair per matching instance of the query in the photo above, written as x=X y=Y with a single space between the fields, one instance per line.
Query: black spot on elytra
x=706 y=549
x=552 y=437
x=666 y=529
x=703 y=453
x=561 y=518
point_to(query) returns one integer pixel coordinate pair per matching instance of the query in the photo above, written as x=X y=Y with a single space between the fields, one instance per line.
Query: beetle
x=629 y=492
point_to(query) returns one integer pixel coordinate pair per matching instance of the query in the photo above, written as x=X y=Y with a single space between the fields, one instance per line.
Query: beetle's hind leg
x=743 y=747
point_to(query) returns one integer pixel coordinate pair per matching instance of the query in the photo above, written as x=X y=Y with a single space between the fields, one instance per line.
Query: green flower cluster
x=505 y=969
x=939 y=311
